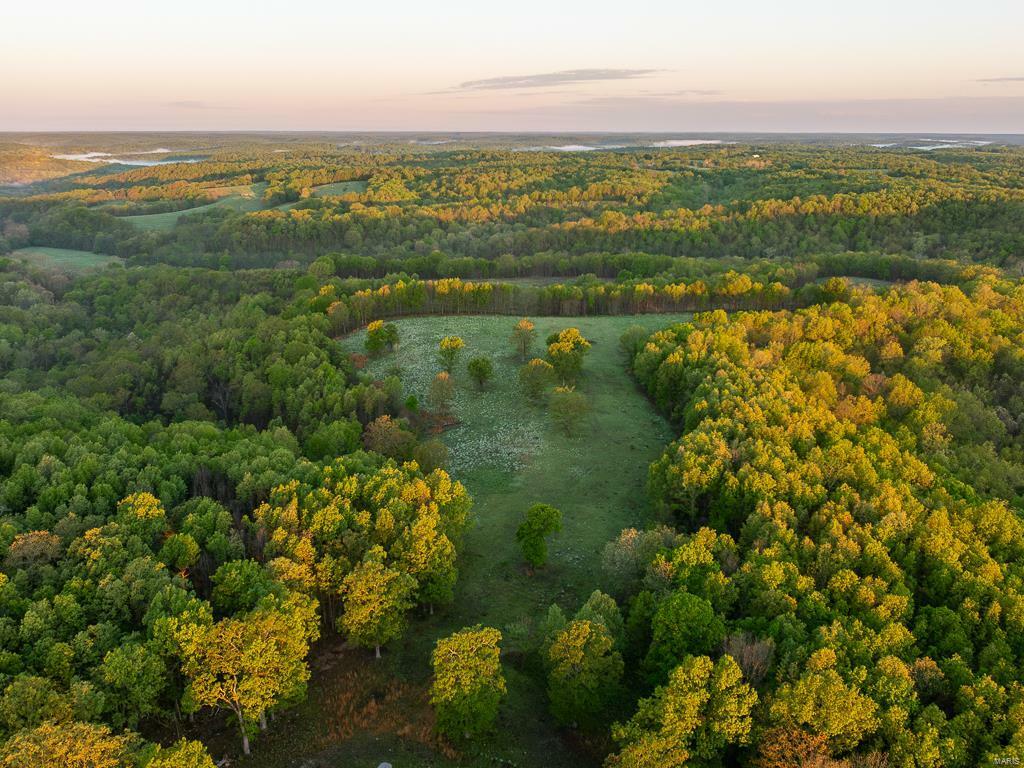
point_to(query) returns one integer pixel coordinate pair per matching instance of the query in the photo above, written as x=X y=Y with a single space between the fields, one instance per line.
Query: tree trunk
x=263 y=721
x=245 y=736
x=376 y=652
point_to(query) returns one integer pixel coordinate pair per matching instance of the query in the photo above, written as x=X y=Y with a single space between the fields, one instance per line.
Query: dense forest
x=214 y=474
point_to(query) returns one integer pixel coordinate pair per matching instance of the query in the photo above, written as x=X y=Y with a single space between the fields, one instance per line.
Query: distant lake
x=135 y=158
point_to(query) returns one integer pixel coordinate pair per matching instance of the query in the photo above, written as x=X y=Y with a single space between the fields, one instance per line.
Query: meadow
x=239 y=199
x=509 y=456
x=65 y=258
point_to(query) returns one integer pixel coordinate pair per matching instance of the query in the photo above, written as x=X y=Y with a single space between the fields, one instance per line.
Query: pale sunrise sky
x=867 y=66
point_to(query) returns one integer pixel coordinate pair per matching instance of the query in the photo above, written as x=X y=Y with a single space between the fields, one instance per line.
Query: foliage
x=376 y=599
x=536 y=376
x=541 y=521
x=449 y=349
x=704 y=708
x=442 y=391
x=481 y=370
x=584 y=675
x=566 y=352
x=568 y=409
x=380 y=336
x=523 y=335
x=468 y=683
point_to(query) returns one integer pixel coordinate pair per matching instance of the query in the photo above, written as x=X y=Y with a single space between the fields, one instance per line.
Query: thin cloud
x=675 y=98
x=547 y=79
x=684 y=93
x=191 y=104
x=1000 y=80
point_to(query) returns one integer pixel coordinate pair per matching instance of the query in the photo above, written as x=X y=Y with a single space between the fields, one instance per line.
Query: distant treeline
x=482 y=212
x=350 y=307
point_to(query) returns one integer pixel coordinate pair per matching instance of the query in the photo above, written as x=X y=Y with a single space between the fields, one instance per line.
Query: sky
x=672 y=66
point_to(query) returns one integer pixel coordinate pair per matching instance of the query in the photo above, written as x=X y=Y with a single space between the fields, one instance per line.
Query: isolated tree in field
x=449 y=350
x=481 y=369
x=541 y=521
x=376 y=599
x=566 y=351
x=536 y=376
x=523 y=336
x=380 y=336
x=584 y=673
x=468 y=682
x=568 y=409
x=704 y=708
x=442 y=391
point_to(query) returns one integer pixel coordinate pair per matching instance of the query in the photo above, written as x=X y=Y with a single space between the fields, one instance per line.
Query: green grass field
x=242 y=199
x=65 y=258
x=509 y=456
x=327 y=190
x=339 y=188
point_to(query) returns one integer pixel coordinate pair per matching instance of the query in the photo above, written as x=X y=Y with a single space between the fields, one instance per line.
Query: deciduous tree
x=468 y=682
x=481 y=369
x=376 y=598
x=449 y=349
x=523 y=336
x=541 y=521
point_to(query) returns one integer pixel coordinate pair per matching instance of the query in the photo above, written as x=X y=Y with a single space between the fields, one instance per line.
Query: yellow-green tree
x=523 y=336
x=68 y=745
x=181 y=754
x=380 y=336
x=468 y=682
x=584 y=673
x=375 y=600
x=566 y=351
x=536 y=376
x=251 y=663
x=704 y=708
x=823 y=703
x=448 y=350
x=568 y=409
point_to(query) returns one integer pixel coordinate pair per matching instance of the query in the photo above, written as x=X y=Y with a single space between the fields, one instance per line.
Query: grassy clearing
x=65 y=258
x=241 y=199
x=509 y=456
x=535 y=282
x=328 y=190
x=340 y=188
